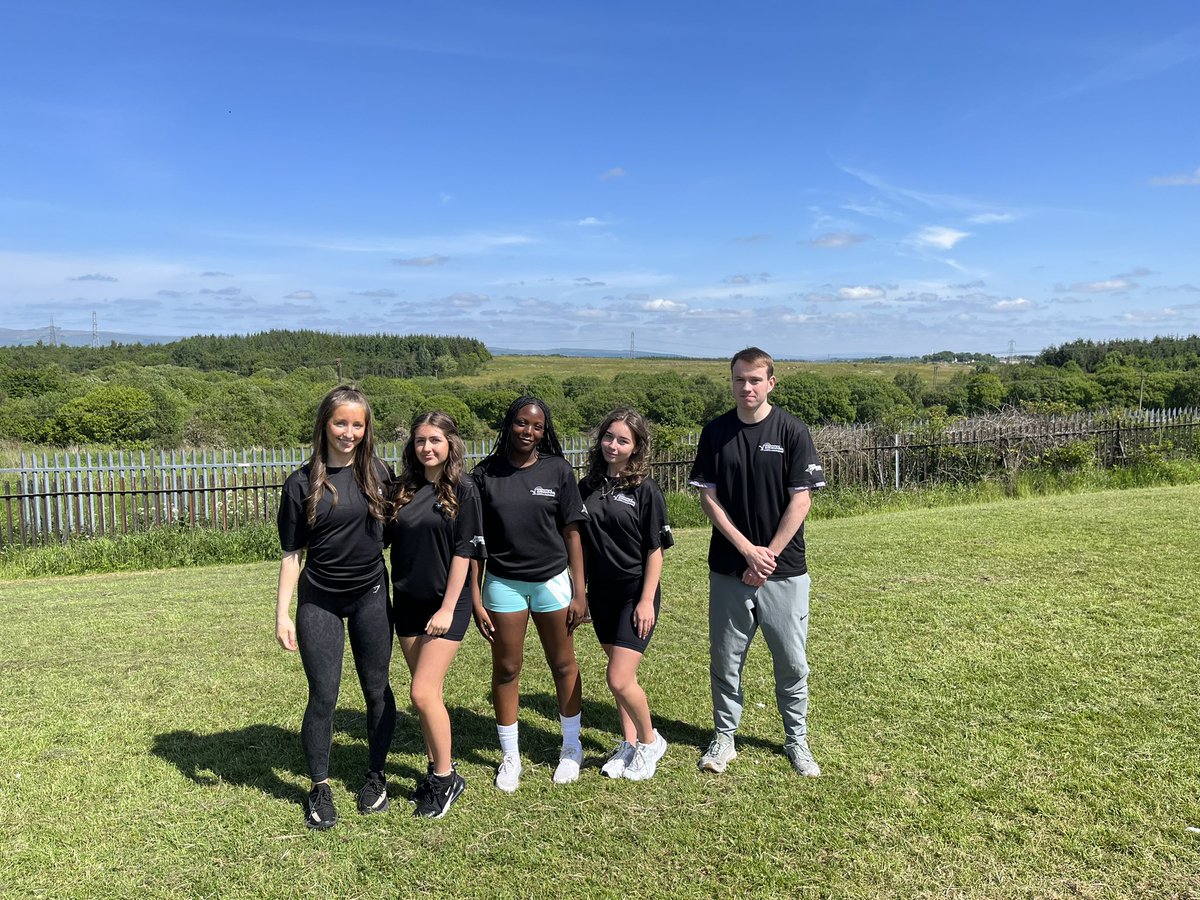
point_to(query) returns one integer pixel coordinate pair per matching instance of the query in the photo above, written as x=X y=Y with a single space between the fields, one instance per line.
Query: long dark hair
x=547 y=446
x=638 y=467
x=412 y=478
x=365 y=471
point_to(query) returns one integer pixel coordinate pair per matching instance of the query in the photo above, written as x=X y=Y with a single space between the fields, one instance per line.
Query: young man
x=756 y=467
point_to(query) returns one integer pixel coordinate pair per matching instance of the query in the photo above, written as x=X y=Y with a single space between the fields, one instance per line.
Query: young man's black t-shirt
x=424 y=541
x=623 y=527
x=524 y=512
x=344 y=546
x=755 y=470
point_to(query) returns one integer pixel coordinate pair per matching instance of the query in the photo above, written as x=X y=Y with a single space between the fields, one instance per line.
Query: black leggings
x=321 y=636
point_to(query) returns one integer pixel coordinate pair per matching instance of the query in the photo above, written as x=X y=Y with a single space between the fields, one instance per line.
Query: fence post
x=896 y=439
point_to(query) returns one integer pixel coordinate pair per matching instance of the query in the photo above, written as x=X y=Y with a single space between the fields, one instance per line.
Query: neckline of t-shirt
x=761 y=421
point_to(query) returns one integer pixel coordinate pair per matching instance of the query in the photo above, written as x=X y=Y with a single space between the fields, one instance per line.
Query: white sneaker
x=508 y=776
x=645 y=759
x=569 y=761
x=621 y=757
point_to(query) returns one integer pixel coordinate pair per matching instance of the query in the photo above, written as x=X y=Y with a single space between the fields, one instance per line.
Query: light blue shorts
x=509 y=595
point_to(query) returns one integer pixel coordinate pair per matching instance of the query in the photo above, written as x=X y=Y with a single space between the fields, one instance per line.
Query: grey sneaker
x=569 y=761
x=802 y=760
x=621 y=757
x=508 y=776
x=719 y=754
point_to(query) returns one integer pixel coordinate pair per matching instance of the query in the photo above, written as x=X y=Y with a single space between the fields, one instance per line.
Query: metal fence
x=56 y=496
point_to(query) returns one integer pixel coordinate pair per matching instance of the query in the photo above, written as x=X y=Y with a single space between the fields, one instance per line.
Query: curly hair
x=366 y=470
x=637 y=469
x=412 y=477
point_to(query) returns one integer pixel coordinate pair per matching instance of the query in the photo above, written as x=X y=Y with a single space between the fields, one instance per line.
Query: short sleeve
x=468 y=524
x=804 y=471
x=291 y=519
x=704 y=469
x=570 y=502
x=654 y=526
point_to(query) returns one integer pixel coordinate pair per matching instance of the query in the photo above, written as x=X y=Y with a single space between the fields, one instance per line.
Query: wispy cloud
x=591 y=221
x=661 y=304
x=381 y=294
x=836 y=240
x=930 y=199
x=1106 y=286
x=940 y=236
x=752 y=239
x=614 y=172
x=759 y=278
x=1142 y=63
x=94 y=277
x=215 y=275
x=222 y=292
x=434 y=259
x=300 y=295
x=1185 y=178
x=1015 y=303
x=992 y=218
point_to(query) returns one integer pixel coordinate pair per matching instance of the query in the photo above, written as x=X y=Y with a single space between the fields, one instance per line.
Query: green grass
x=1004 y=703
x=526 y=368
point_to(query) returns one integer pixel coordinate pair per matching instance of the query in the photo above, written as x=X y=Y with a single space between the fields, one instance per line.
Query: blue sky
x=839 y=178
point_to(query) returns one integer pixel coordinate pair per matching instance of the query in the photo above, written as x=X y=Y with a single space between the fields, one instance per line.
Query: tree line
x=165 y=404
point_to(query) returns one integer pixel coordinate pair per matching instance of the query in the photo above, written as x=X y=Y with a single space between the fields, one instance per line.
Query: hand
x=760 y=560
x=577 y=613
x=440 y=622
x=484 y=623
x=643 y=617
x=285 y=633
x=754 y=580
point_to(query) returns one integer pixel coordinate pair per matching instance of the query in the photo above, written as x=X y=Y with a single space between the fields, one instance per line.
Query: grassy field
x=1004 y=704
x=525 y=368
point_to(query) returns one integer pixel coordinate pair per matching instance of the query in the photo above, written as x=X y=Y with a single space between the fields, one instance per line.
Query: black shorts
x=611 y=606
x=413 y=615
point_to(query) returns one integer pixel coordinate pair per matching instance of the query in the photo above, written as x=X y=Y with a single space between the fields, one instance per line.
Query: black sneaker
x=422 y=786
x=440 y=793
x=319 y=812
x=373 y=797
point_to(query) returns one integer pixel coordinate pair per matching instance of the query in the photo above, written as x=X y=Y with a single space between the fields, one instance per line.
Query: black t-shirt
x=524 y=512
x=344 y=546
x=756 y=469
x=425 y=541
x=622 y=529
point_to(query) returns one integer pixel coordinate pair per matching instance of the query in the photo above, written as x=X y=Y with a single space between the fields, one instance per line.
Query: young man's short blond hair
x=754 y=357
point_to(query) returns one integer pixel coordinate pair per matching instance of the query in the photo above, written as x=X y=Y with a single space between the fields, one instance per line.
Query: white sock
x=508 y=739
x=570 y=730
x=652 y=740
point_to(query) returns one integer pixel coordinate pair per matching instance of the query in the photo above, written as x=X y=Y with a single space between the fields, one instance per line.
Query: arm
x=643 y=613
x=289 y=575
x=793 y=518
x=760 y=561
x=440 y=622
x=483 y=621
x=577 y=611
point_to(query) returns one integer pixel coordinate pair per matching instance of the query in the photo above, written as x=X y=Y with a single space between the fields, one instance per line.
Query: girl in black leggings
x=332 y=511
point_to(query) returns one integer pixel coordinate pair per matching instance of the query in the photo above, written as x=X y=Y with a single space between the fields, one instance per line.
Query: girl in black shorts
x=531 y=516
x=624 y=536
x=435 y=529
x=331 y=518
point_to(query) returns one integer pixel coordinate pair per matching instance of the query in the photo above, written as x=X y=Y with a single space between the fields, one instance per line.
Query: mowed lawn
x=1004 y=704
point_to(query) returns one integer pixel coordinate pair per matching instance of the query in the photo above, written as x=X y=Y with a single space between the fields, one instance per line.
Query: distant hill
x=26 y=337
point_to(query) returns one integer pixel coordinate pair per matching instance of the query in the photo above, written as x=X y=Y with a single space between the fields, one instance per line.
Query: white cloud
x=215 y=275
x=1151 y=316
x=663 y=305
x=95 y=277
x=300 y=295
x=614 y=172
x=465 y=300
x=434 y=259
x=1185 y=178
x=861 y=292
x=381 y=294
x=990 y=218
x=837 y=240
x=592 y=220
x=1015 y=303
x=1107 y=286
x=940 y=236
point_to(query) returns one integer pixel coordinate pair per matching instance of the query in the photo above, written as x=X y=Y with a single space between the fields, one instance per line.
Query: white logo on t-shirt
x=543 y=492
x=625 y=498
x=813 y=467
x=770 y=448
x=478 y=541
